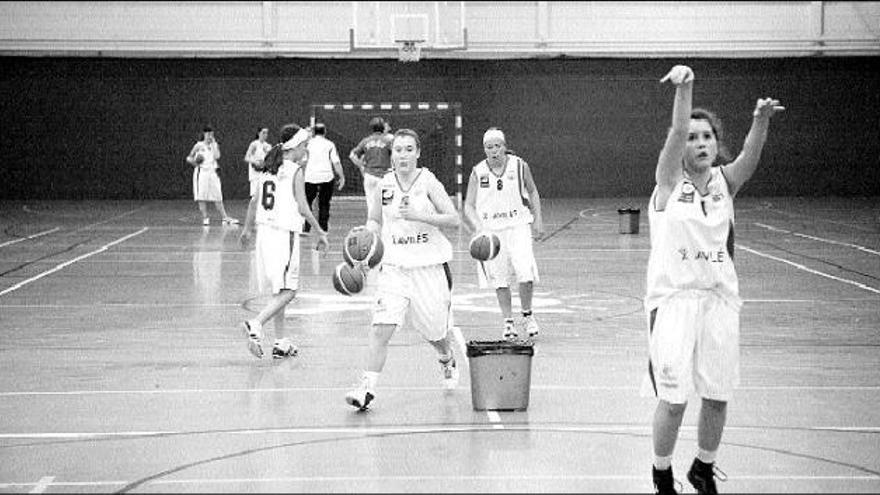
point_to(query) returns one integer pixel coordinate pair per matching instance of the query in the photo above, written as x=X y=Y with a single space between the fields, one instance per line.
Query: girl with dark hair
x=692 y=299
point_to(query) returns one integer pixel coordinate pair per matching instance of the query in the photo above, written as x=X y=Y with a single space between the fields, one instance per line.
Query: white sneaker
x=206 y=221
x=284 y=348
x=230 y=221
x=253 y=330
x=531 y=326
x=509 y=330
x=450 y=374
x=360 y=397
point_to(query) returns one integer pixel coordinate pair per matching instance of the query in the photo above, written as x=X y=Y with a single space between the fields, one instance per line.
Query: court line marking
x=576 y=388
x=385 y=430
x=495 y=419
x=349 y=479
x=810 y=270
x=70 y=262
x=815 y=238
x=33 y=236
x=42 y=484
x=504 y=477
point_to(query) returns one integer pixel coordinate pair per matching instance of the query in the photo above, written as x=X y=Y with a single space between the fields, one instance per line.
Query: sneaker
x=360 y=397
x=702 y=476
x=664 y=483
x=450 y=373
x=284 y=348
x=206 y=221
x=509 y=329
x=253 y=330
x=531 y=326
x=230 y=221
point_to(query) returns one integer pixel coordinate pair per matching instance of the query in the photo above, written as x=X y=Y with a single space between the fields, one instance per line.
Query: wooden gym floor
x=123 y=367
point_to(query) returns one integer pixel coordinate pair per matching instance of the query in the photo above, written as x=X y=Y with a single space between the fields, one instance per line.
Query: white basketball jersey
x=207 y=152
x=692 y=242
x=277 y=205
x=501 y=199
x=260 y=150
x=411 y=243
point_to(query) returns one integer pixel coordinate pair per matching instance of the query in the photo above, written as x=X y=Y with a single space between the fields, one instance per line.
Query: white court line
x=324 y=390
x=43 y=484
x=810 y=270
x=495 y=419
x=68 y=263
x=458 y=477
x=410 y=430
x=820 y=239
x=33 y=236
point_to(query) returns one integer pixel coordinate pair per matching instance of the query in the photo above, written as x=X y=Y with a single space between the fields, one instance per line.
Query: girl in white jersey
x=277 y=210
x=206 y=183
x=502 y=198
x=692 y=296
x=254 y=156
x=407 y=208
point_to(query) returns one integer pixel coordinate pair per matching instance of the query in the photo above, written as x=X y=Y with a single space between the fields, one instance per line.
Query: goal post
x=438 y=124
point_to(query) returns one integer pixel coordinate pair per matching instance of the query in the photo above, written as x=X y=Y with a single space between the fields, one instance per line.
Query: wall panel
x=120 y=128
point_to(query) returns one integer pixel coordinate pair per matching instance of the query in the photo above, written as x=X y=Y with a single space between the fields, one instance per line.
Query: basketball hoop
x=409 y=51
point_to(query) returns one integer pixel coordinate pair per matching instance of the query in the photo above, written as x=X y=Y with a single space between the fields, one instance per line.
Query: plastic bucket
x=501 y=374
x=629 y=220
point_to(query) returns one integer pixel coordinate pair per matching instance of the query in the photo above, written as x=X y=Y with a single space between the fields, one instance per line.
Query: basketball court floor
x=123 y=367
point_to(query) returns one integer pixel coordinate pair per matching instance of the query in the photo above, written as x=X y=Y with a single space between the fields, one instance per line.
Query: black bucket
x=629 y=220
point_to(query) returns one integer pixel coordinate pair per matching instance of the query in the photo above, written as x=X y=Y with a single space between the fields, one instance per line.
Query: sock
x=526 y=314
x=662 y=463
x=706 y=456
x=371 y=378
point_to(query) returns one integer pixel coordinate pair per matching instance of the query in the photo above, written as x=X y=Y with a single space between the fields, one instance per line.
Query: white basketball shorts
x=515 y=260
x=694 y=346
x=277 y=259
x=423 y=294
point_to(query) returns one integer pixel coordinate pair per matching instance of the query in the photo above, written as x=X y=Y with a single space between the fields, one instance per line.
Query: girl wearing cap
x=408 y=208
x=502 y=198
x=206 y=183
x=692 y=299
x=277 y=210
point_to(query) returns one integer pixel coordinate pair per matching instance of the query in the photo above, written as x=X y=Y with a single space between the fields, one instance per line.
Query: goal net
x=438 y=126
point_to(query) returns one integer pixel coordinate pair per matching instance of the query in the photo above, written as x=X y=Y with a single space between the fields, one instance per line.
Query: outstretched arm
x=471 y=219
x=741 y=169
x=669 y=166
x=534 y=201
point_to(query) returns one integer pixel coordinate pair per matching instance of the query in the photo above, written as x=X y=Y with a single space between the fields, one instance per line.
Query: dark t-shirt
x=375 y=151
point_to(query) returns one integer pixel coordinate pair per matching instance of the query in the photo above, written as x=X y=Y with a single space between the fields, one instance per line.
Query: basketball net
x=409 y=51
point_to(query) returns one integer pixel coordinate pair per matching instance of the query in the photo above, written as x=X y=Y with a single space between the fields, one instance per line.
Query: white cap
x=301 y=136
x=493 y=134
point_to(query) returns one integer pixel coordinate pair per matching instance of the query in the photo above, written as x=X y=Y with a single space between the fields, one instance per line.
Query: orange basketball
x=347 y=279
x=485 y=246
x=362 y=245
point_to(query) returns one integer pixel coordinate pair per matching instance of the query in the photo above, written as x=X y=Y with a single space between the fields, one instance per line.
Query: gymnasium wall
x=113 y=128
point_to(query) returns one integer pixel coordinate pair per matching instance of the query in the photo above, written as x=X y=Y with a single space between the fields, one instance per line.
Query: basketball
x=485 y=247
x=362 y=245
x=347 y=279
x=199 y=159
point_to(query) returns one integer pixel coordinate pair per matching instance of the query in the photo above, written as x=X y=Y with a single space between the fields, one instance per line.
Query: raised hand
x=678 y=75
x=767 y=107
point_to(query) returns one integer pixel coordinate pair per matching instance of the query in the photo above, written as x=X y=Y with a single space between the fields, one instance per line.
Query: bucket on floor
x=629 y=220
x=501 y=374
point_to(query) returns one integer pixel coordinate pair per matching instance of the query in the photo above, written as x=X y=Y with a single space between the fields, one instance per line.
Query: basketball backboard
x=385 y=25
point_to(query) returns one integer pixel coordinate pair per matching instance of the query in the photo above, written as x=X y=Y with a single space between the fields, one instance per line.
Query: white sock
x=371 y=378
x=662 y=463
x=706 y=456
